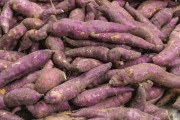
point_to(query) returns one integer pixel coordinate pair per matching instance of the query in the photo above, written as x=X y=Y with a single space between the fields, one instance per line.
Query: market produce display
x=89 y=59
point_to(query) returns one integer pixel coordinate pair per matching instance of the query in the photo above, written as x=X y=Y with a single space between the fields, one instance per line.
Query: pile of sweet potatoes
x=89 y=59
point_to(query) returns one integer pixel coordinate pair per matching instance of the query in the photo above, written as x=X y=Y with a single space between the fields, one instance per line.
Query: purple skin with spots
x=85 y=64
x=120 y=2
x=67 y=90
x=176 y=105
x=21 y=96
x=98 y=81
x=11 y=56
x=2 y=105
x=162 y=17
x=24 y=66
x=96 y=52
x=66 y=5
x=171 y=51
x=82 y=3
x=168 y=27
x=147 y=58
x=141 y=72
x=118 y=53
x=42 y=109
x=83 y=43
x=175 y=70
x=154 y=93
x=82 y=30
x=114 y=113
x=30 y=78
x=4 y=64
x=54 y=43
x=5 y=17
x=93 y=96
x=33 y=23
x=29 y=85
x=77 y=14
x=6 y=115
x=90 y=12
x=123 y=38
x=49 y=65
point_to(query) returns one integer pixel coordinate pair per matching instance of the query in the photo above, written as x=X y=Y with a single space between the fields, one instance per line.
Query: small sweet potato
x=46 y=82
x=144 y=71
x=42 y=109
x=4 y=64
x=29 y=85
x=96 y=52
x=77 y=14
x=90 y=11
x=21 y=96
x=176 y=105
x=67 y=90
x=174 y=63
x=85 y=64
x=29 y=62
x=54 y=43
x=147 y=85
x=154 y=94
x=99 y=16
x=175 y=70
x=6 y=115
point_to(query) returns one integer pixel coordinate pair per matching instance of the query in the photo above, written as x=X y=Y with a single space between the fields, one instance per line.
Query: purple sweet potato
x=66 y=5
x=11 y=56
x=149 y=8
x=99 y=16
x=82 y=3
x=48 y=81
x=162 y=17
x=139 y=100
x=85 y=64
x=147 y=85
x=2 y=105
x=30 y=63
x=171 y=51
x=35 y=47
x=144 y=71
x=90 y=12
x=29 y=85
x=174 y=63
x=154 y=94
x=98 y=81
x=67 y=90
x=118 y=53
x=147 y=58
x=33 y=23
x=123 y=38
x=93 y=96
x=176 y=105
x=5 y=17
x=49 y=65
x=30 y=78
x=77 y=14
x=168 y=27
x=6 y=115
x=115 y=114
x=4 y=64
x=175 y=70
x=120 y=2
x=82 y=30
x=21 y=96
x=96 y=52
x=42 y=109
x=54 y=43
x=83 y=43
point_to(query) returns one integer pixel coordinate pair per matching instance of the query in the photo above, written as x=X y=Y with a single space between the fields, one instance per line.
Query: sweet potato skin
x=21 y=96
x=54 y=43
x=48 y=81
x=30 y=63
x=176 y=105
x=2 y=105
x=77 y=14
x=175 y=70
x=61 y=93
x=5 y=115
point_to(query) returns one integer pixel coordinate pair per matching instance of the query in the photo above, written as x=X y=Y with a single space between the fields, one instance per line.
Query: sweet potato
x=147 y=85
x=144 y=71
x=30 y=63
x=119 y=2
x=114 y=113
x=84 y=30
x=49 y=65
x=176 y=105
x=2 y=105
x=54 y=43
x=123 y=38
x=93 y=96
x=98 y=81
x=46 y=82
x=154 y=94
x=162 y=17
x=42 y=109
x=66 y=5
x=31 y=78
x=6 y=115
x=147 y=58
x=82 y=3
x=90 y=11
x=29 y=85
x=35 y=47
x=5 y=17
x=96 y=52
x=77 y=14
x=11 y=56
x=149 y=8
x=175 y=70
x=21 y=96
x=139 y=100
x=65 y=92
x=83 y=43
x=171 y=51
x=4 y=64
x=99 y=16
x=174 y=63
x=85 y=64
x=168 y=27
x=118 y=53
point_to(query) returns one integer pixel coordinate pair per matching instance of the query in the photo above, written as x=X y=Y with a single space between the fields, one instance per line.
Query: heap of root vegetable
x=89 y=59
